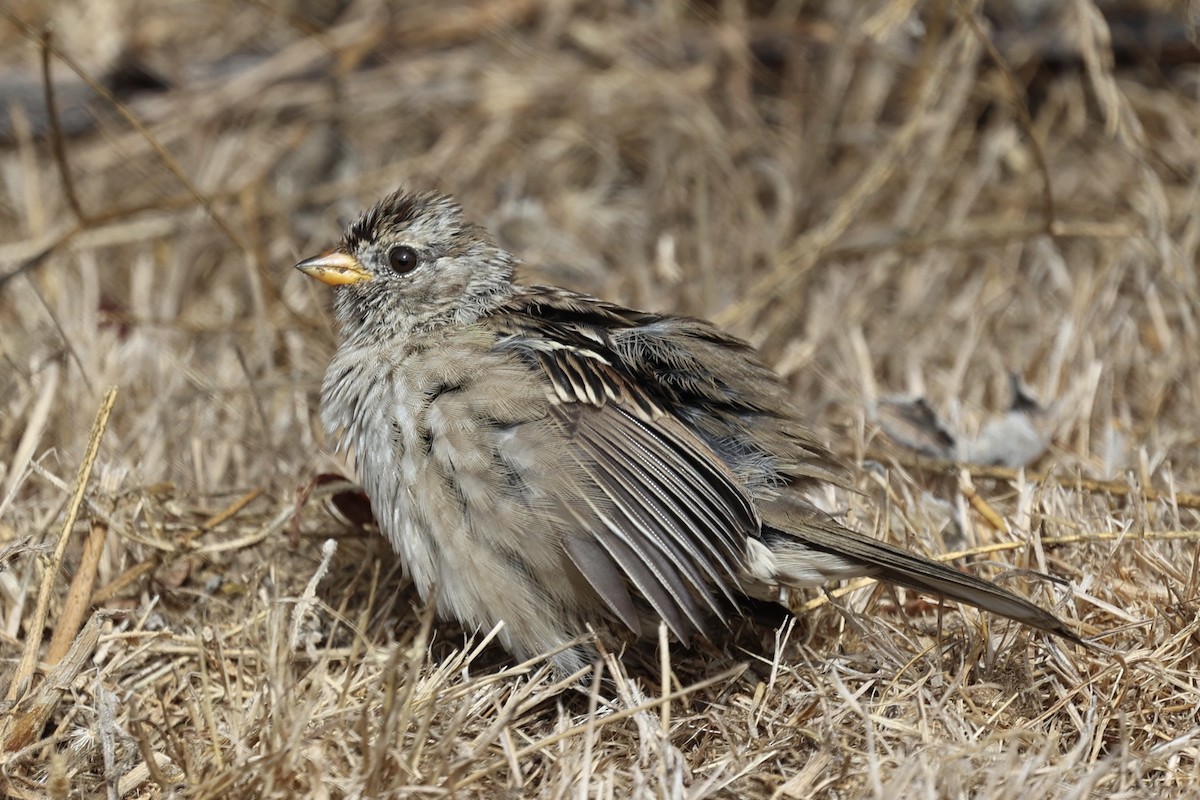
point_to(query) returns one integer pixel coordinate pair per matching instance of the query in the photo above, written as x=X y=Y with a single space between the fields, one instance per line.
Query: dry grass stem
x=890 y=198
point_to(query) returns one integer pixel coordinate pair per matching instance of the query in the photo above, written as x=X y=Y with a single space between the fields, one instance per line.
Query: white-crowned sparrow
x=555 y=461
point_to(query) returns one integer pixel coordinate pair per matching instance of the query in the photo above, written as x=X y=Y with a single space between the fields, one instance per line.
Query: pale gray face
x=412 y=263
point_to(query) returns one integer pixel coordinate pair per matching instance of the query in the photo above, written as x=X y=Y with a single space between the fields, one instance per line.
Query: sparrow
x=560 y=464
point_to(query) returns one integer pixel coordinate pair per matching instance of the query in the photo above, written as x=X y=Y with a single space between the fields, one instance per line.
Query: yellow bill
x=335 y=268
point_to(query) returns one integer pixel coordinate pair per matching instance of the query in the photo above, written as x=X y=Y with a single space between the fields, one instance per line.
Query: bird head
x=412 y=262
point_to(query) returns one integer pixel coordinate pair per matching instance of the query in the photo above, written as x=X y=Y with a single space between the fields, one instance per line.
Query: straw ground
x=888 y=197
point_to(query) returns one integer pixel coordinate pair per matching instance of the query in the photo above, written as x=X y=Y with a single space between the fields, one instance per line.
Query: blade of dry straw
x=38 y=623
x=79 y=596
x=25 y=723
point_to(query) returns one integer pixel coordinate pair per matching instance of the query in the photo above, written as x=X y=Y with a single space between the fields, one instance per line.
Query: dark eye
x=403 y=259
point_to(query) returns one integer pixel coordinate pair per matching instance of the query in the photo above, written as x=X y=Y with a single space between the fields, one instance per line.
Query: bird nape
x=559 y=463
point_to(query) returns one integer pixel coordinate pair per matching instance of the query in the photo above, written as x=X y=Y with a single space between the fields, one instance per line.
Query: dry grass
x=881 y=211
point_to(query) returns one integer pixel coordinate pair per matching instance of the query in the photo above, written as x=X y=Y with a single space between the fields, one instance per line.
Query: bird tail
x=820 y=550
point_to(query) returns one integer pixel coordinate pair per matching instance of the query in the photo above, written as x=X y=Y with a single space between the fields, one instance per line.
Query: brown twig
x=56 y=137
x=38 y=624
x=117 y=584
x=985 y=510
x=25 y=723
x=79 y=596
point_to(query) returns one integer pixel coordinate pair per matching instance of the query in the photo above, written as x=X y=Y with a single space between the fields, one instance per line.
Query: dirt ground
x=891 y=198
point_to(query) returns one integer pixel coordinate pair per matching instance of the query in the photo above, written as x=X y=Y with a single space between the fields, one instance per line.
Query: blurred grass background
x=888 y=197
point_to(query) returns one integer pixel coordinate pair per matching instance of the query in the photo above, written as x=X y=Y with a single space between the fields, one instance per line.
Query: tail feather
x=825 y=550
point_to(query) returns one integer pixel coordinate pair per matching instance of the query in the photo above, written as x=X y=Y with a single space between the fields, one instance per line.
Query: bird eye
x=403 y=259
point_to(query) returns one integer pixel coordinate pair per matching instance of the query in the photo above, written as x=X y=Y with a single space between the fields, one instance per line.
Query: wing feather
x=651 y=516
x=660 y=510
x=690 y=486
x=606 y=577
x=654 y=577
